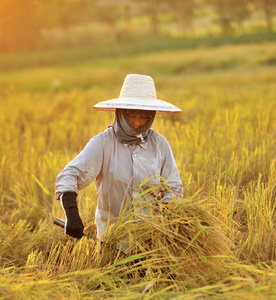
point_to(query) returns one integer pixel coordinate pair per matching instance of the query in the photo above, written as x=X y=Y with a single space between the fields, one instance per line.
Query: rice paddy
x=218 y=242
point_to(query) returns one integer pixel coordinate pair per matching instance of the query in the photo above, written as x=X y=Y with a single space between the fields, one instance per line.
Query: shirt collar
x=144 y=146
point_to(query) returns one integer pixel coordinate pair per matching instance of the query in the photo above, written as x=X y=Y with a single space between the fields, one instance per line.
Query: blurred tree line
x=22 y=23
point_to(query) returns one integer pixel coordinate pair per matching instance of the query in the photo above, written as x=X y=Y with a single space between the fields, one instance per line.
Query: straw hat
x=138 y=92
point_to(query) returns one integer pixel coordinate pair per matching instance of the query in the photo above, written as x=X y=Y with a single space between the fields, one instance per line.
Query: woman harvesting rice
x=121 y=158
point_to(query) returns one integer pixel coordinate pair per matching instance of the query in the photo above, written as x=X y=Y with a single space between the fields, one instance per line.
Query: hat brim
x=160 y=106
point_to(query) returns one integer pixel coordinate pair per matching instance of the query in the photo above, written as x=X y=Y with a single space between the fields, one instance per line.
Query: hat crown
x=138 y=86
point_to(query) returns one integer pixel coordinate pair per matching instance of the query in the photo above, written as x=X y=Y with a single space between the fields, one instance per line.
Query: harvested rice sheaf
x=178 y=240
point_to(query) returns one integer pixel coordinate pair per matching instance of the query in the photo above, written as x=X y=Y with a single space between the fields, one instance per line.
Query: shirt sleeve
x=82 y=170
x=170 y=173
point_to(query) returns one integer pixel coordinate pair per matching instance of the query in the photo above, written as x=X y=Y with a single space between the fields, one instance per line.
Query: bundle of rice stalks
x=178 y=240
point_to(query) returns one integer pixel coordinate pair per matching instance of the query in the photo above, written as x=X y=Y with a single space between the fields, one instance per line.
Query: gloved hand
x=73 y=225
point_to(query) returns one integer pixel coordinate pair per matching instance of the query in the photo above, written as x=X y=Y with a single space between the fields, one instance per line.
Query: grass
x=76 y=55
x=218 y=242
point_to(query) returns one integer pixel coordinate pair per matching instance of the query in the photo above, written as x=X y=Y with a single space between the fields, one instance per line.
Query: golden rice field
x=218 y=242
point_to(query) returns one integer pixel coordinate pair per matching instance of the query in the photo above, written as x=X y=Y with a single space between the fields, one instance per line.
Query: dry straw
x=179 y=240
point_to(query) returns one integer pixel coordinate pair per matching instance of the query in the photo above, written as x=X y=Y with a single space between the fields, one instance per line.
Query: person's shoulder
x=107 y=135
x=159 y=138
x=102 y=136
x=101 y=139
x=108 y=132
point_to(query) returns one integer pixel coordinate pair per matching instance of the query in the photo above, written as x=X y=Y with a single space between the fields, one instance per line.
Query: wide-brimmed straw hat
x=138 y=92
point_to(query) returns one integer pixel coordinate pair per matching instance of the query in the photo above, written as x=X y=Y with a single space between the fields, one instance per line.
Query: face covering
x=126 y=133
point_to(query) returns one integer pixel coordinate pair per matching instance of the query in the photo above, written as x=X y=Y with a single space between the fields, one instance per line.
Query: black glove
x=73 y=225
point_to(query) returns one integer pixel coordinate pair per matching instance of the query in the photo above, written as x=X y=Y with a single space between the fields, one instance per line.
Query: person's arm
x=82 y=170
x=78 y=173
x=171 y=175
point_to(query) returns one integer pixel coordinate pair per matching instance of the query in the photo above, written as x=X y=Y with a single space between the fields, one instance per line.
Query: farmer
x=121 y=158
